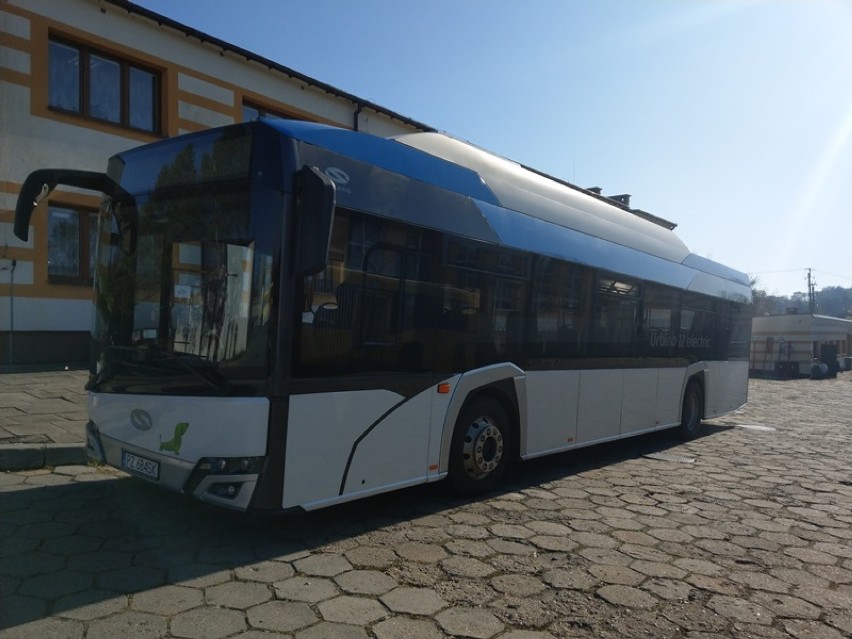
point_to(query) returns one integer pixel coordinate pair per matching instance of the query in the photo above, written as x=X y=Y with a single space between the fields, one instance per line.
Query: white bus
x=290 y=315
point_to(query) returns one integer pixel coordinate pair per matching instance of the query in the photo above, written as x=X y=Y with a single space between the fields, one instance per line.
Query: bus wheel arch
x=692 y=410
x=484 y=442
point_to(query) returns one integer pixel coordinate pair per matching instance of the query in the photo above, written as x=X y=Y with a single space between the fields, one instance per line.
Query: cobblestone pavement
x=42 y=419
x=745 y=532
x=43 y=408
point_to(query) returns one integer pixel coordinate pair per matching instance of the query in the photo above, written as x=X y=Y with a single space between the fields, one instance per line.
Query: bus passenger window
x=558 y=318
x=616 y=317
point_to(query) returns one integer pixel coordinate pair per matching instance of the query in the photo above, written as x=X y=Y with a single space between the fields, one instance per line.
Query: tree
x=834 y=301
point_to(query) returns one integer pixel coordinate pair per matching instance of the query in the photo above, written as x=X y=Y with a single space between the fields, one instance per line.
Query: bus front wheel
x=479 y=452
x=690 y=421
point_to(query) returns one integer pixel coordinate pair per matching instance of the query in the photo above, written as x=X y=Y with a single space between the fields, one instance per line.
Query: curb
x=33 y=456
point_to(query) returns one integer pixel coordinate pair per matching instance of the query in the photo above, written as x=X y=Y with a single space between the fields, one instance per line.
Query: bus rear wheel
x=690 y=421
x=479 y=452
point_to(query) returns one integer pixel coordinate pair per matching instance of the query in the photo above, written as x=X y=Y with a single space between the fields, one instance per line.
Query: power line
x=804 y=270
x=842 y=277
x=788 y=270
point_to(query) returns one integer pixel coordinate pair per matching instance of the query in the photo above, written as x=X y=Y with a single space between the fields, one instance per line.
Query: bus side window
x=380 y=310
x=616 y=316
x=660 y=331
x=557 y=323
x=699 y=328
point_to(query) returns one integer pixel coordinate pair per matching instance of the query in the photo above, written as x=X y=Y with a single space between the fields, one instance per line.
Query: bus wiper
x=207 y=374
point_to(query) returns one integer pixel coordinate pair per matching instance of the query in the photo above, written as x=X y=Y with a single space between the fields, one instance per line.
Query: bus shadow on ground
x=536 y=472
x=72 y=546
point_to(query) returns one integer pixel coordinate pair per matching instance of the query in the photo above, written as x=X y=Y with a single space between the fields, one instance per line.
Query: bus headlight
x=222 y=467
x=230 y=465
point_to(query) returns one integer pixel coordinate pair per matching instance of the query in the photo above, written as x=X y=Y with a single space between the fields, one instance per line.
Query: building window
x=102 y=87
x=252 y=112
x=71 y=235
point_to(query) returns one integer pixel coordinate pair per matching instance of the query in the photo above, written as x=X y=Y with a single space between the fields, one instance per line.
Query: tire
x=480 y=449
x=693 y=405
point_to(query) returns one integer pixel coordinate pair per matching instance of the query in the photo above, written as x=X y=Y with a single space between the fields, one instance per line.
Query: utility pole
x=811 y=293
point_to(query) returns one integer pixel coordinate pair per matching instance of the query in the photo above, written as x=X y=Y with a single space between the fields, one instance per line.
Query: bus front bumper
x=220 y=481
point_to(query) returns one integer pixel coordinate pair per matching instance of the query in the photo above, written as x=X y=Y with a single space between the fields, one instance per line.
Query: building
x=83 y=79
x=786 y=345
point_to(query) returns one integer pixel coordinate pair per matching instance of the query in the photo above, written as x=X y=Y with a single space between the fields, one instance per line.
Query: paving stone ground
x=744 y=532
x=43 y=407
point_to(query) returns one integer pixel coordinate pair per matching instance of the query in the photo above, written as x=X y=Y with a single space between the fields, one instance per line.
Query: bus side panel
x=599 y=412
x=395 y=452
x=639 y=400
x=322 y=429
x=552 y=398
x=727 y=387
x=669 y=396
x=440 y=407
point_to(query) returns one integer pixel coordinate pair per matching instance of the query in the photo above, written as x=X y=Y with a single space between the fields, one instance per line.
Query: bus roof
x=534 y=194
x=499 y=185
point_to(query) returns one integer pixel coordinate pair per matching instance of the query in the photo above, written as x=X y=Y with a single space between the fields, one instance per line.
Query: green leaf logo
x=173 y=445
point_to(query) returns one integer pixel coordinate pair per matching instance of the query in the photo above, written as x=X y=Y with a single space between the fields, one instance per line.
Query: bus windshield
x=182 y=286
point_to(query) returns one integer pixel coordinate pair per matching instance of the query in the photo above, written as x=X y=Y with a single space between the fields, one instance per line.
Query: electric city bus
x=290 y=315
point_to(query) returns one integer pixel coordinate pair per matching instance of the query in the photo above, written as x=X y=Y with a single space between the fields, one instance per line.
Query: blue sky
x=732 y=118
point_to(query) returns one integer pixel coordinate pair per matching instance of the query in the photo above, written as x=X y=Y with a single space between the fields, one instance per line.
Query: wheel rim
x=482 y=449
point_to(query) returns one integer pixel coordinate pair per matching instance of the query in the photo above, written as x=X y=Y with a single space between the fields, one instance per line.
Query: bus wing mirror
x=39 y=184
x=315 y=201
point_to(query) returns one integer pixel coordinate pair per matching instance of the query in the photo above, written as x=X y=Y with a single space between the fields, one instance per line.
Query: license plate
x=140 y=465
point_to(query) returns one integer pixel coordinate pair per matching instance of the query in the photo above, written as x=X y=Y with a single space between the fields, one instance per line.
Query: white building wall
x=45 y=314
x=33 y=142
x=14 y=25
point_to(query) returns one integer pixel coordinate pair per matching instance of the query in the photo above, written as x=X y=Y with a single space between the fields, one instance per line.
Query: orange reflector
x=433 y=467
x=443 y=388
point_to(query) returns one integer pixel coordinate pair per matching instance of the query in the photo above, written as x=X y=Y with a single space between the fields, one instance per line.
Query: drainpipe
x=11 y=270
x=355 y=116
